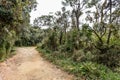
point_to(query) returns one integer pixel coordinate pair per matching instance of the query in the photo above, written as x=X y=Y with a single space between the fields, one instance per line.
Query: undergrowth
x=84 y=70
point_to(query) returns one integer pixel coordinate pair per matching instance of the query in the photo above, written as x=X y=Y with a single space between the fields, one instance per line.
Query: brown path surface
x=29 y=65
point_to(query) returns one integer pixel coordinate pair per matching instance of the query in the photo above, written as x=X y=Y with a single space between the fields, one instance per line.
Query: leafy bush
x=108 y=57
x=98 y=72
x=29 y=36
x=82 y=53
x=81 y=56
x=82 y=70
x=7 y=46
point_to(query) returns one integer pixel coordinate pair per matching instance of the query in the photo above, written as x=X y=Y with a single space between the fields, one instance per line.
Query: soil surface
x=27 y=64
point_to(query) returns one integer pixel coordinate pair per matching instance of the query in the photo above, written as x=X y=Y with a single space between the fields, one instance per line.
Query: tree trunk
x=110 y=21
x=77 y=22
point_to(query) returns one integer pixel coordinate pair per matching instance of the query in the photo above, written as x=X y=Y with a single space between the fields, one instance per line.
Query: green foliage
x=99 y=72
x=82 y=46
x=110 y=57
x=29 y=36
x=80 y=56
x=51 y=42
x=72 y=41
x=82 y=70
x=13 y=15
x=6 y=45
x=91 y=52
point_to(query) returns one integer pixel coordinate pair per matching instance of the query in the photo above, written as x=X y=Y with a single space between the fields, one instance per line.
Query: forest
x=83 y=38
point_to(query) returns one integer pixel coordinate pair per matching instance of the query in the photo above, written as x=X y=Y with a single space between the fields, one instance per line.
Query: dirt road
x=27 y=64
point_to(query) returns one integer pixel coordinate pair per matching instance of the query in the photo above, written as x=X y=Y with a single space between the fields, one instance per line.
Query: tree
x=102 y=19
x=12 y=18
x=63 y=19
x=63 y=22
x=77 y=8
x=103 y=28
x=44 y=20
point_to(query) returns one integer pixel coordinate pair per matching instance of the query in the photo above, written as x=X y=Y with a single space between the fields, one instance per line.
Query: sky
x=44 y=7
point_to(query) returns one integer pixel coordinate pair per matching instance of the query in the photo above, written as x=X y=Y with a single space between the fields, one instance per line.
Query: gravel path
x=27 y=64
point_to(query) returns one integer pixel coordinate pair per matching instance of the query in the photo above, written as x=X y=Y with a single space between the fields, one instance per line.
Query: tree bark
x=110 y=21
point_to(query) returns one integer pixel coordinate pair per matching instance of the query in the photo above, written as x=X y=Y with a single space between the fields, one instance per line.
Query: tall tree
x=77 y=8
x=12 y=17
x=103 y=18
x=44 y=21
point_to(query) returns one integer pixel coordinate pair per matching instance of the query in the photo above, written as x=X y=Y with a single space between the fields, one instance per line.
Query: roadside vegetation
x=14 y=17
x=90 y=48
x=83 y=40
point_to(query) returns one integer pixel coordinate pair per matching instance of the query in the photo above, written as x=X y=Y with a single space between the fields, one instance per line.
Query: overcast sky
x=44 y=7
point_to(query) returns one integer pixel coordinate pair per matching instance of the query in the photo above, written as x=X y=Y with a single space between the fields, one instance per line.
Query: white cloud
x=44 y=7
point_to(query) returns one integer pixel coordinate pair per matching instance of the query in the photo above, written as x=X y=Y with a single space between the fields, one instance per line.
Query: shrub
x=7 y=44
x=108 y=57
x=97 y=72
